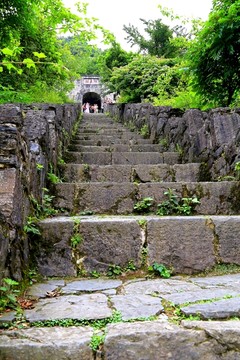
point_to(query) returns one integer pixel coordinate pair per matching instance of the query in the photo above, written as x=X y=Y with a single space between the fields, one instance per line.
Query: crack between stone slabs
x=216 y=246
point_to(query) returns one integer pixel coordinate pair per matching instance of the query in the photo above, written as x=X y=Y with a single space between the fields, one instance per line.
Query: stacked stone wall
x=32 y=140
x=208 y=137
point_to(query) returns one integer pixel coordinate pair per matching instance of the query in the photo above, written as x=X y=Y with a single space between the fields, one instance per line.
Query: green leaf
x=39 y=55
x=1 y=69
x=29 y=63
x=7 y=51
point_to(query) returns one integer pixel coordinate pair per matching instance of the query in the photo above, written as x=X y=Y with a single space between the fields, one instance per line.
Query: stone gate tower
x=89 y=89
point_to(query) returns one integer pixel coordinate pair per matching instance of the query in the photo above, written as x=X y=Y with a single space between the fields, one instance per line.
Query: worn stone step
x=121 y=158
x=106 y=142
x=106 y=131
x=118 y=147
x=120 y=198
x=185 y=244
x=110 y=138
x=149 y=340
x=132 y=173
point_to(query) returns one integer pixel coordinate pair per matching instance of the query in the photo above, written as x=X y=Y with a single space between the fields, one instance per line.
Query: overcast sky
x=113 y=14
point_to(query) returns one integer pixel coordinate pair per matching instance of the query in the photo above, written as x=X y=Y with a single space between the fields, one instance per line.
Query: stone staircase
x=108 y=170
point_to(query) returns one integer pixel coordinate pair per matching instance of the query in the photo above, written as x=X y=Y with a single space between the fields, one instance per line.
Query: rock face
x=32 y=138
x=210 y=138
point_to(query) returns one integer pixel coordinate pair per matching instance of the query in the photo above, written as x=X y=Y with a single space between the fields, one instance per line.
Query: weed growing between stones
x=172 y=206
x=76 y=238
x=8 y=294
x=159 y=270
x=144 y=131
x=116 y=270
x=144 y=205
x=175 y=206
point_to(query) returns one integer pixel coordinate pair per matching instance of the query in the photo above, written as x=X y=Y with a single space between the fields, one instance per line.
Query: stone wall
x=211 y=138
x=32 y=139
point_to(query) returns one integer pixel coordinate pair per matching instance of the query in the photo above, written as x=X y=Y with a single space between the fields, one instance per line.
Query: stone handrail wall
x=32 y=140
x=208 y=137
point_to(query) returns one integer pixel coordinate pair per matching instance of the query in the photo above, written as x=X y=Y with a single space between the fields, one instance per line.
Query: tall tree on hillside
x=157 y=41
x=214 y=57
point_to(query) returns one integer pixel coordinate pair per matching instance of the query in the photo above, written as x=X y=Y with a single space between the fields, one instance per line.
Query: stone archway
x=92 y=98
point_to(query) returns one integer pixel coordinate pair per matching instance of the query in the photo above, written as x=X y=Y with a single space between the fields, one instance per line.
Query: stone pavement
x=144 y=311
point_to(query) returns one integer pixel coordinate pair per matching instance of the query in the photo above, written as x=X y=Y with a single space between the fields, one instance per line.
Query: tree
x=158 y=41
x=214 y=57
x=30 y=28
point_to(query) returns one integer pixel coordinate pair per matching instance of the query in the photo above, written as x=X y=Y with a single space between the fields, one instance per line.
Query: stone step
x=121 y=158
x=99 y=131
x=110 y=138
x=119 y=198
x=132 y=173
x=184 y=244
x=107 y=142
x=118 y=147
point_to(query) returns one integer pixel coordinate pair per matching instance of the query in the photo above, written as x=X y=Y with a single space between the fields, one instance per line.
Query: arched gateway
x=89 y=89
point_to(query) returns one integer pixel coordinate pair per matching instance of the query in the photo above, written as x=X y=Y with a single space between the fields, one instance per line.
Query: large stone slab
x=222 y=309
x=136 y=158
x=101 y=198
x=200 y=295
x=158 y=287
x=100 y=158
x=47 y=343
x=226 y=333
x=78 y=307
x=110 y=242
x=227 y=230
x=137 y=306
x=158 y=340
x=53 y=252
x=188 y=249
x=90 y=285
x=41 y=290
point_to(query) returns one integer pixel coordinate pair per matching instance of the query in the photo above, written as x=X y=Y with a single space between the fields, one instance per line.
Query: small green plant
x=237 y=170
x=142 y=223
x=174 y=205
x=61 y=162
x=144 y=205
x=76 y=238
x=8 y=294
x=164 y=143
x=144 y=257
x=95 y=274
x=97 y=340
x=114 y=270
x=130 y=266
x=186 y=205
x=31 y=226
x=170 y=205
x=53 y=178
x=86 y=168
x=144 y=131
x=159 y=270
x=179 y=150
x=86 y=212
x=39 y=166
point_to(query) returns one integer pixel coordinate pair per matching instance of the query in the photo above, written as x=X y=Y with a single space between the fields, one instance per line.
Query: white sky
x=113 y=14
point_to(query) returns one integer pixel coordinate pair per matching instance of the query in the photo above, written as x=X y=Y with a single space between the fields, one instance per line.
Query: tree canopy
x=214 y=56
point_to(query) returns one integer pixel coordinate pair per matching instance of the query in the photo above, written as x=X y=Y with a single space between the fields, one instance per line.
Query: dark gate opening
x=92 y=98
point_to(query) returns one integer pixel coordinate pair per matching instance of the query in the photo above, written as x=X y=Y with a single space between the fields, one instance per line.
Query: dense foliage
x=34 y=62
x=181 y=66
x=215 y=54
